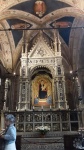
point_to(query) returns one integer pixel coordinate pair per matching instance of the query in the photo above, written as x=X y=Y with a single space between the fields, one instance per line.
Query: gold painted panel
x=42 y=91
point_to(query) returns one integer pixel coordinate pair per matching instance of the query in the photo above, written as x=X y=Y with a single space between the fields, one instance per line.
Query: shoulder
x=12 y=127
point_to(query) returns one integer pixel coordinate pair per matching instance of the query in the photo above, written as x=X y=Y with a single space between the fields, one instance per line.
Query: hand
x=2 y=132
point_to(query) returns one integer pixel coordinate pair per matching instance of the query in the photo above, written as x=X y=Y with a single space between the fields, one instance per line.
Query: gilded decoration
x=42 y=91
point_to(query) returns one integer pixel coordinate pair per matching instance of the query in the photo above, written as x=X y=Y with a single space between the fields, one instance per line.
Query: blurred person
x=9 y=135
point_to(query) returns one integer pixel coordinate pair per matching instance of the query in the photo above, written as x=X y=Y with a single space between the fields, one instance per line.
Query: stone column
x=58 y=96
x=2 y=120
x=26 y=98
x=64 y=93
x=19 y=96
x=5 y=93
x=55 y=92
x=83 y=116
x=81 y=81
x=29 y=94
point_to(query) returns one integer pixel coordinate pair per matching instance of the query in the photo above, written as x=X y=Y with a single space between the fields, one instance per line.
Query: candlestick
x=42 y=107
x=33 y=107
x=59 y=105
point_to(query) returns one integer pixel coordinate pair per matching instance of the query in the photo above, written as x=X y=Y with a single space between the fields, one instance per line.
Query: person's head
x=9 y=119
x=42 y=82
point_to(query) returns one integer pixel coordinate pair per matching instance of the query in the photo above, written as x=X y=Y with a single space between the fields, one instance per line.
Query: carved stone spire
x=25 y=43
x=59 y=43
x=55 y=42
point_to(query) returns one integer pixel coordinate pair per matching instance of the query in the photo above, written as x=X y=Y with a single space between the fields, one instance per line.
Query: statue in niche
x=36 y=100
x=59 y=70
x=42 y=90
x=49 y=99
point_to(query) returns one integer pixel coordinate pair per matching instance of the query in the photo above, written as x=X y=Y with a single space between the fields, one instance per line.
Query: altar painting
x=42 y=91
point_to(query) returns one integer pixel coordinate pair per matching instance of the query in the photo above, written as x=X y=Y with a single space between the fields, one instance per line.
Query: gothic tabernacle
x=42 y=80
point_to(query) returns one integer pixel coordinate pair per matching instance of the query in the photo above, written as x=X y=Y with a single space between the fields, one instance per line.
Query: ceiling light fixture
x=71 y=71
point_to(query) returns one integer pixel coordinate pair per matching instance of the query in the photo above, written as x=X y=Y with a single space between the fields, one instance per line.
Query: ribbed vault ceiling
x=15 y=13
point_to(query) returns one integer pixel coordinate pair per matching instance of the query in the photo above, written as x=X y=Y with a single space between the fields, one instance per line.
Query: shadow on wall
x=70 y=101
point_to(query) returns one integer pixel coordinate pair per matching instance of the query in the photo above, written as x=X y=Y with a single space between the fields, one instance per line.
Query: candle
x=42 y=107
x=50 y=106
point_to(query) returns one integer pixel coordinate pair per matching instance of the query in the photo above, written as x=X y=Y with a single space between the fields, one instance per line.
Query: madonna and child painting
x=43 y=94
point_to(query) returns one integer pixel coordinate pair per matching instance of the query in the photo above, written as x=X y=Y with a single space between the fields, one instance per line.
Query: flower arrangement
x=43 y=129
